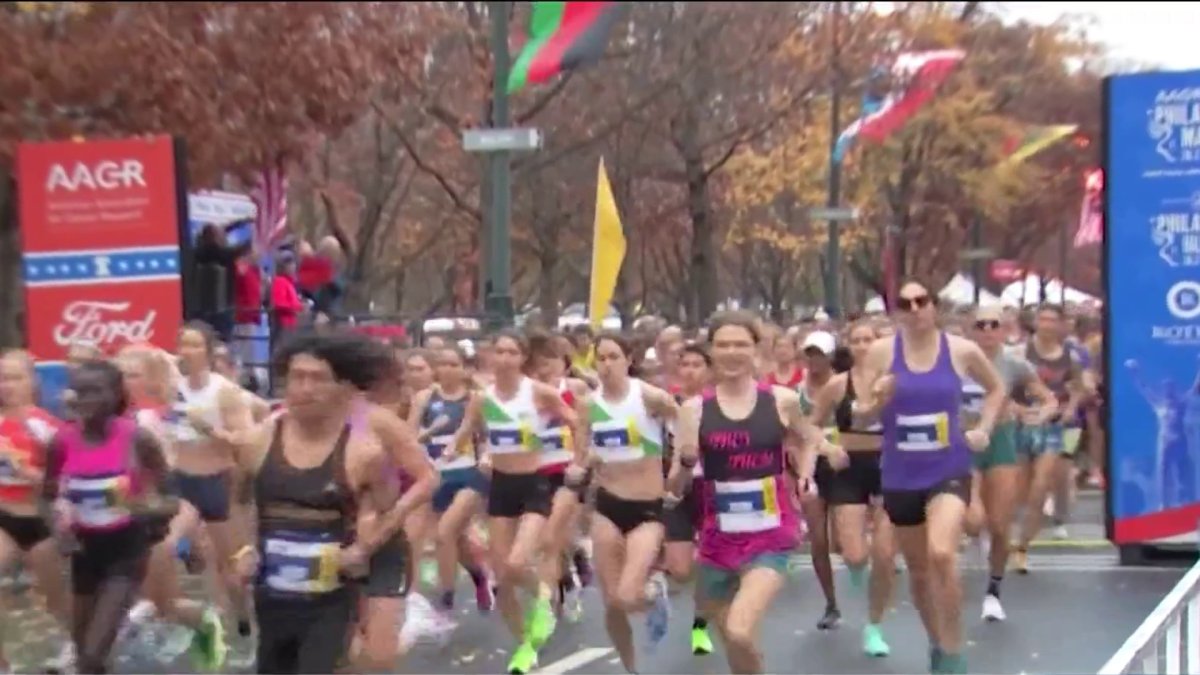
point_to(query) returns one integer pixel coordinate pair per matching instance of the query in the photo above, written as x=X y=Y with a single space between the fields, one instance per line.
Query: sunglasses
x=910 y=304
x=987 y=324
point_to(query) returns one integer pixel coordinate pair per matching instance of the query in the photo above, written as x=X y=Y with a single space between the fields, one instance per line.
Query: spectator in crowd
x=286 y=304
x=212 y=251
x=318 y=276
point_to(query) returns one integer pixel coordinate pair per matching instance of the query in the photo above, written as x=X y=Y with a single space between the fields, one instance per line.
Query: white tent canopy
x=1028 y=292
x=961 y=291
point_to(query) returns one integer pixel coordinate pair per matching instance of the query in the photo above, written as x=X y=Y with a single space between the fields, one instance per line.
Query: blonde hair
x=26 y=359
x=160 y=371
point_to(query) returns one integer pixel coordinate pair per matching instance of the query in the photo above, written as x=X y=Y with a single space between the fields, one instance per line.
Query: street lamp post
x=834 y=252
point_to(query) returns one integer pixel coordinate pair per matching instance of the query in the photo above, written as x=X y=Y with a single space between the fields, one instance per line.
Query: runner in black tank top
x=854 y=491
x=305 y=517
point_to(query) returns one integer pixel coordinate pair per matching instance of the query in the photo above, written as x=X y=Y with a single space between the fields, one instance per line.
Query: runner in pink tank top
x=106 y=478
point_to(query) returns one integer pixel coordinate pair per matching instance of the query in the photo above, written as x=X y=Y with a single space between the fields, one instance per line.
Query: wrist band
x=688 y=462
x=242 y=553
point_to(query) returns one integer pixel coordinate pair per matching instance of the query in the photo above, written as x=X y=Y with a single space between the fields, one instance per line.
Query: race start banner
x=1152 y=279
x=100 y=223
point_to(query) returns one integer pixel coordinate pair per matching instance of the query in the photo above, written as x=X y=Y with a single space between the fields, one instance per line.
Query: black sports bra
x=843 y=415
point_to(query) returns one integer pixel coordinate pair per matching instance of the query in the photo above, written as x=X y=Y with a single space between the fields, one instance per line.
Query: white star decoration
x=80 y=268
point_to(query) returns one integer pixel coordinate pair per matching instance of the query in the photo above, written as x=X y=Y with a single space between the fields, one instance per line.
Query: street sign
x=977 y=254
x=499 y=140
x=835 y=213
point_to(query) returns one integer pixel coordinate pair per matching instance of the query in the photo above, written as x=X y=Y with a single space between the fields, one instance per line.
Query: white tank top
x=512 y=426
x=624 y=431
x=203 y=400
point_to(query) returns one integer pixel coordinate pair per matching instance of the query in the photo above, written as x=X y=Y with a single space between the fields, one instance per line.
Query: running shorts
x=209 y=494
x=513 y=495
x=471 y=479
x=682 y=519
x=628 y=514
x=25 y=531
x=100 y=556
x=906 y=508
x=1001 y=450
x=391 y=569
x=857 y=483
x=721 y=585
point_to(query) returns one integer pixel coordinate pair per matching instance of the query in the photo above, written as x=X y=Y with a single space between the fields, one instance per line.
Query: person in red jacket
x=286 y=304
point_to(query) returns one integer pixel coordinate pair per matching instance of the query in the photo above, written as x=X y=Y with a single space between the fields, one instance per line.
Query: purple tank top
x=746 y=508
x=98 y=481
x=923 y=443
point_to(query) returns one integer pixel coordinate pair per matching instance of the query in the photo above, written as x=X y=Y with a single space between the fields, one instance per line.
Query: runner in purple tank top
x=916 y=392
x=742 y=431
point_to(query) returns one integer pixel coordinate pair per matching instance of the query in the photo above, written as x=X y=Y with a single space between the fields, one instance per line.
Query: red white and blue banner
x=100 y=227
x=914 y=79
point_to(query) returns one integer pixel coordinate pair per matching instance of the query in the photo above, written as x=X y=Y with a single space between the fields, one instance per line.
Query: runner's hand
x=353 y=561
x=574 y=474
x=882 y=390
x=485 y=465
x=246 y=565
x=837 y=456
x=671 y=500
x=978 y=439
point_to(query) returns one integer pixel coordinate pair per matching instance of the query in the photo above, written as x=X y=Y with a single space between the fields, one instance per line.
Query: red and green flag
x=563 y=36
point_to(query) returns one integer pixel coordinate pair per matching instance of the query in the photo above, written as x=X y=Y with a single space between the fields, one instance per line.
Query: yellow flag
x=608 y=250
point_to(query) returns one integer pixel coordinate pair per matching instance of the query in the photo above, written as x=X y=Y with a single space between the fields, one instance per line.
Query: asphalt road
x=1068 y=615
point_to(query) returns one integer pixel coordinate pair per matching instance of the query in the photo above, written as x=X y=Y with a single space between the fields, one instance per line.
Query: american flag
x=1091 y=211
x=270 y=196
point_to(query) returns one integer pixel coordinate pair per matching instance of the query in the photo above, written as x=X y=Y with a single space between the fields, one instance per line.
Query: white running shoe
x=64 y=661
x=1060 y=533
x=992 y=609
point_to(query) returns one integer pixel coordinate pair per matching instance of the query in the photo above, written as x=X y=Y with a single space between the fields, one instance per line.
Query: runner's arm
x=687 y=447
x=811 y=439
x=979 y=368
x=416 y=411
x=549 y=402
x=469 y=427
x=1048 y=402
x=400 y=449
x=869 y=403
x=827 y=398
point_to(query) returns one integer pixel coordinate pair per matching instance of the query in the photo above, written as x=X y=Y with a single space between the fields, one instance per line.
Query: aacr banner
x=100 y=237
x=1152 y=265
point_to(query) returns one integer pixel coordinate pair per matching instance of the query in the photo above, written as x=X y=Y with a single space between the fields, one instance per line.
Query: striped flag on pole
x=1091 y=212
x=270 y=196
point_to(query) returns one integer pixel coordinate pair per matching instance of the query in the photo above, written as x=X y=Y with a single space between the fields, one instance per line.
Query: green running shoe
x=208 y=649
x=523 y=660
x=873 y=642
x=540 y=623
x=701 y=642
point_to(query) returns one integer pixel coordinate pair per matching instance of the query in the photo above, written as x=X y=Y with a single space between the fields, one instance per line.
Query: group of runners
x=307 y=519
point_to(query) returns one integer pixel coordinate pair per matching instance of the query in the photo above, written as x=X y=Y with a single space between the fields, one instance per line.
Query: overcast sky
x=1154 y=33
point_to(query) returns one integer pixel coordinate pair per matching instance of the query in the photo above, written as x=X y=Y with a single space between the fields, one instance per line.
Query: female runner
x=550 y=366
x=25 y=429
x=511 y=412
x=681 y=517
x=854 y=492
x=150 y=381
x=112 y=507
x=740 y=430
x=438 y=413
x=626 y=417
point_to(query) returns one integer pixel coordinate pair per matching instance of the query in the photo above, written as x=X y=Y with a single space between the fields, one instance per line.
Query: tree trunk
x=703 y=266
x=12 y=289
x=548 y=289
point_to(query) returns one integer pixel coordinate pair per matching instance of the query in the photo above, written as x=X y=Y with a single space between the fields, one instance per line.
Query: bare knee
x=739 y=635
x=943 y=557
x=630 y=597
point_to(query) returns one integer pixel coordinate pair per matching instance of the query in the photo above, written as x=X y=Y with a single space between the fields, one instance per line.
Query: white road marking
x=577 y=660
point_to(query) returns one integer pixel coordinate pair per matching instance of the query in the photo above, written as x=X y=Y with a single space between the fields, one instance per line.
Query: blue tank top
x=923 y=442
x=448 y=415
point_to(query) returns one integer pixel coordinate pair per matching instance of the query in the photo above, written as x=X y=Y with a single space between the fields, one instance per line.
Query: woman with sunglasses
x=996 y=478
x=914 y=387
x=854 y=492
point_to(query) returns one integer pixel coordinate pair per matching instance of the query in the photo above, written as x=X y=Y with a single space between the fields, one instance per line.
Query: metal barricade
x=1168 y=641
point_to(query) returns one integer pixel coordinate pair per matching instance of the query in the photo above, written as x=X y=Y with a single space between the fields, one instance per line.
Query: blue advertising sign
x=1152 y=266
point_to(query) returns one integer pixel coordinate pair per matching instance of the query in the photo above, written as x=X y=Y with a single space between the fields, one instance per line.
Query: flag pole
x=497 y=293
x=833 y=247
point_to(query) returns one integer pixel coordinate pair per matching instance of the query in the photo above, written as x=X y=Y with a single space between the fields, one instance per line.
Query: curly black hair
x=354 y=358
